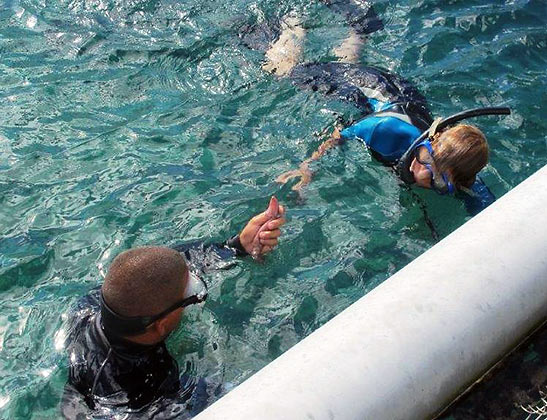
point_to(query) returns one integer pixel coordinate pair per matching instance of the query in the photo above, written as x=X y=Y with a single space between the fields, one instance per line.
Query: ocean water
x=133 y=122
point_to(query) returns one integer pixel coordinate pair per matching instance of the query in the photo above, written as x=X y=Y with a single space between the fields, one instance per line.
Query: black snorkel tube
x=403 y=166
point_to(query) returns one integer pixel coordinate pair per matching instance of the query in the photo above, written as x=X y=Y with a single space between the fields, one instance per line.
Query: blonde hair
x=461 y=152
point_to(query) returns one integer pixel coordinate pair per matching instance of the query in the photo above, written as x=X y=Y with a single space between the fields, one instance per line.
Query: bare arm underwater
x=303 y=171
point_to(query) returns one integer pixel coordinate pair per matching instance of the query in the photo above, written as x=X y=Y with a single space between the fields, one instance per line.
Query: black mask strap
x=127 y=326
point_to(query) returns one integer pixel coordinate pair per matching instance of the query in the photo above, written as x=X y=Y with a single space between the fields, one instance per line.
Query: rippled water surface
x=125 y=123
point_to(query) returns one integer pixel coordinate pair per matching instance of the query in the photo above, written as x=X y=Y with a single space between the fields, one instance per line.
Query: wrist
x=235 y=244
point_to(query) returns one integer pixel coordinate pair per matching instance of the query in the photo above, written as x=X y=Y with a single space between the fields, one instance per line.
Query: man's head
x=458 y=154
x=144 y=282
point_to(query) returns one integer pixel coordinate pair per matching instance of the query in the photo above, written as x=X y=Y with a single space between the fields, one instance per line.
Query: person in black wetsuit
x=118 y=361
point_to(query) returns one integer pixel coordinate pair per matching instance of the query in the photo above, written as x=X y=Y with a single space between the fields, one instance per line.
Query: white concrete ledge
x=410 y=346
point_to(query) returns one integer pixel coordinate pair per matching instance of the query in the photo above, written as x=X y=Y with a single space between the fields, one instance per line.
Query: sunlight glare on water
x=126 y=123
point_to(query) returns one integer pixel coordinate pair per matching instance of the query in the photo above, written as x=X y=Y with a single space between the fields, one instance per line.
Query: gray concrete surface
x=410 y=346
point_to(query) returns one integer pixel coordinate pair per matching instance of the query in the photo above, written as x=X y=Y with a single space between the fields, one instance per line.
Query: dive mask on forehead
x=196 y=292
x=424 y=154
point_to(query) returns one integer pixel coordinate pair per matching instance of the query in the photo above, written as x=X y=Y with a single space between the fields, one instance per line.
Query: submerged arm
x=334 y=140
x=303 y=171
x=477 y=198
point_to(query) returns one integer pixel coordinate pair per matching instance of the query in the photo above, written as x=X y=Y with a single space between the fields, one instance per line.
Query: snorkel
x=403 y=166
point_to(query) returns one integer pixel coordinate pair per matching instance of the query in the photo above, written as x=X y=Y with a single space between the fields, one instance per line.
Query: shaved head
x=145 y=281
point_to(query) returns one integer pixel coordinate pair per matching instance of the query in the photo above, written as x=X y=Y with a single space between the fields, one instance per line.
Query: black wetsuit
x=358 y=84
x=359 y=14
x=109 y=375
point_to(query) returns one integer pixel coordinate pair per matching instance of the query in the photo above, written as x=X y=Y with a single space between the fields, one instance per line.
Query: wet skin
x=421 y=174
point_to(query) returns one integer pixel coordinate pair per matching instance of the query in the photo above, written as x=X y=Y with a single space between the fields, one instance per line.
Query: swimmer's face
x=422 y=176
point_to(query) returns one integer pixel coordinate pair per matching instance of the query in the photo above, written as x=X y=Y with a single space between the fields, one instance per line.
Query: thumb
x=273 y=207
x=271 y=212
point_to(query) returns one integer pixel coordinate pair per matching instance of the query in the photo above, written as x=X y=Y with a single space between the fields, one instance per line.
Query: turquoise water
x=126 y=123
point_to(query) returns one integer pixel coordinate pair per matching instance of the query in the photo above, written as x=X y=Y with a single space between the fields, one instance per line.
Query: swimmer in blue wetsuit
x=396 y=115
x=395 y=112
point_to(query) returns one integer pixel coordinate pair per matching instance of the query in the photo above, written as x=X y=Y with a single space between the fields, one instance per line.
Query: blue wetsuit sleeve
x=359 y=14
x=482 y=197
x=359 y=129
